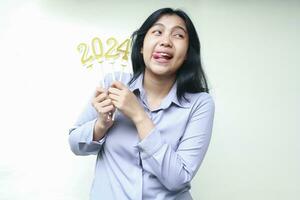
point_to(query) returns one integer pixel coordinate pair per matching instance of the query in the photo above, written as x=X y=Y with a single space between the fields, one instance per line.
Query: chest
x=122 y=138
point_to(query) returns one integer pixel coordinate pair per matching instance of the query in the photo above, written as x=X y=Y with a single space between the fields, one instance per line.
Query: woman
x=155 y=143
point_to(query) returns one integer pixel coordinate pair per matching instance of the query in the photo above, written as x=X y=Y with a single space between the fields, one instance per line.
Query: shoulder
x=202 y=107
x=199 y=100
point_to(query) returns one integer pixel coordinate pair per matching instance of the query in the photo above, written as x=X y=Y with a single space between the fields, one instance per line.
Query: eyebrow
x=178 y=26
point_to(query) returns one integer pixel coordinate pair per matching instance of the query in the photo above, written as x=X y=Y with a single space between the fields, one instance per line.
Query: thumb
x=118 y=85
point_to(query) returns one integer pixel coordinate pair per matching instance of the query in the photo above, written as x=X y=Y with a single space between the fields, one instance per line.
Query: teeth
x=165 y=55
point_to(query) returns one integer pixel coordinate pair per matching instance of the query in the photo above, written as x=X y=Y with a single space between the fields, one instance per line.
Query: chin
x=161 y=72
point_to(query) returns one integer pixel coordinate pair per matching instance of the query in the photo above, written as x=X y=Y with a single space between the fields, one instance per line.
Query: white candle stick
x=102 y=73
x=112 y=63
x=123 y=65
x=101 y=61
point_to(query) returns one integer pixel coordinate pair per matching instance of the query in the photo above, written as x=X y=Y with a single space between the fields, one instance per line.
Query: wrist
x=99 y=130
x=139 y=117
x=100 y=126
x=143 y=124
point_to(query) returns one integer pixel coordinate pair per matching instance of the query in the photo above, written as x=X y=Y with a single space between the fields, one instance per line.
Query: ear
x=141 y=50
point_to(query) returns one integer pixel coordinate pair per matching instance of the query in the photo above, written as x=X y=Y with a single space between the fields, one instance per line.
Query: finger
x=99 y=90
x=118 y=85
x=116 y=91
x=101 y=97
x=114 y=97
x=106 y=109
x=116 y=104
x=106 y=102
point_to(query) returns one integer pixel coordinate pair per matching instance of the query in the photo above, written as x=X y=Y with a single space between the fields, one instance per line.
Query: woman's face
x=165 y=46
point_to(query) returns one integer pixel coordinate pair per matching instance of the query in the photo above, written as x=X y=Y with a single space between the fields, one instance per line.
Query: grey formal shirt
x=159 y=167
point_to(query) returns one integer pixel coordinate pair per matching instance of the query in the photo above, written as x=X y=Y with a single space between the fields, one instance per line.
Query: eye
x=156 y=32
x=178 y=35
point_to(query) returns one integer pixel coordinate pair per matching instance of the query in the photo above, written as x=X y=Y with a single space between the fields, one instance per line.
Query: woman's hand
x=103 y=105
x=123 y=99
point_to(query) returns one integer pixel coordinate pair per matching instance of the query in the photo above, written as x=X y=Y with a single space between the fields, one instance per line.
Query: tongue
x=156 y=55
x=159 y=55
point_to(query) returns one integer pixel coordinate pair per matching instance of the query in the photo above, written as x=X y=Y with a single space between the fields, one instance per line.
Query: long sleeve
x=81 y=135
x=176 y=168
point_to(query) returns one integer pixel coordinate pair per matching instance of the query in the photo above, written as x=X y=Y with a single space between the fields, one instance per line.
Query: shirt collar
x=137 y=86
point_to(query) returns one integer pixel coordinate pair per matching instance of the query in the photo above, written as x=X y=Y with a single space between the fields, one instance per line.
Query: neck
x=157 y=87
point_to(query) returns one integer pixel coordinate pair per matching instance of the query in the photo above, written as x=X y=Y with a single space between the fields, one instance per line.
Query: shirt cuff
x=88 y=136
x=150 y=144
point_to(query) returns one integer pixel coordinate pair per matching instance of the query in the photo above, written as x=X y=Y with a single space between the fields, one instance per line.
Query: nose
x=165 y=41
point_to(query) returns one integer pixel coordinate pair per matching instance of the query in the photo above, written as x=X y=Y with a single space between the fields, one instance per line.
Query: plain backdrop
x=250 y=52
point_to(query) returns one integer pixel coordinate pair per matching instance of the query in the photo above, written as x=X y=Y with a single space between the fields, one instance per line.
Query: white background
x=250 y=52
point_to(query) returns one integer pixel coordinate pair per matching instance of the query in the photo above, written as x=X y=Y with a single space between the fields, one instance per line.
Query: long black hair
x=190 y=76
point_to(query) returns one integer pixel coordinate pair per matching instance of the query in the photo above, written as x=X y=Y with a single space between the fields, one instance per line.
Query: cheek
x=145 y=58
x=182 y=54
x=147 y=50
x=183 y=51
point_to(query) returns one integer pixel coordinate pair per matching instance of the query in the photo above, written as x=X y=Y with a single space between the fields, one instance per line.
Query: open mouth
x=163 y=56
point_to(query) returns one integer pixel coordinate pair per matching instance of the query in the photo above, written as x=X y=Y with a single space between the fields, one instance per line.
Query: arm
x=88 y=134
x=175 y=169
x=81 y=135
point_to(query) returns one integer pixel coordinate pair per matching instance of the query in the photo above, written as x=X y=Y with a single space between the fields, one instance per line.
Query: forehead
x=171 y=21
